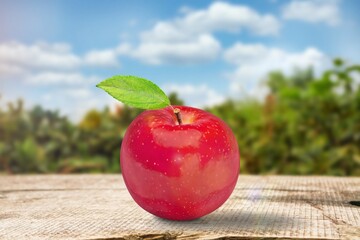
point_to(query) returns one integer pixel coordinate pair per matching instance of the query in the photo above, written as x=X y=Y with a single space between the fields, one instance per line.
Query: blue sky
x=54 y=52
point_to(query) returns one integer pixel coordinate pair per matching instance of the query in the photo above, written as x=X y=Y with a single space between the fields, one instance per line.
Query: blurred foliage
x=305 y=125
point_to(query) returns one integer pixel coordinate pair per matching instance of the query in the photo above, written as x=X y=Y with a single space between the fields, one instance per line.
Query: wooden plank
x=99 y=207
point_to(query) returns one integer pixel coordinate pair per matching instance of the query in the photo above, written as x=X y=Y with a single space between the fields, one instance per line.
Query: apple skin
x=179 y=172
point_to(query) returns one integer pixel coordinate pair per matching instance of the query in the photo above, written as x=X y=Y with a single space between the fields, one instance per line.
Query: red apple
x=179 y=171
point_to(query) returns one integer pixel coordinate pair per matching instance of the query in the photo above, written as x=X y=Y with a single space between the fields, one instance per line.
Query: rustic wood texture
x=99 y=207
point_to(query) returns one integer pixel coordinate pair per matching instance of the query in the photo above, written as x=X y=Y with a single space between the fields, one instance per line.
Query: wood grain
x=99 y=207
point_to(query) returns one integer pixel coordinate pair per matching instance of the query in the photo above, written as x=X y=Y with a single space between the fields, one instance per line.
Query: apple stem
x=178 y=115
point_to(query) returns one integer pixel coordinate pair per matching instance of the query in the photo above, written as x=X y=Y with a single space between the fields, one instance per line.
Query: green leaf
x=136 y=92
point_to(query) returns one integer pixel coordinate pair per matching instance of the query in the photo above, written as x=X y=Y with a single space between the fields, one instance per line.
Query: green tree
x=306 y=125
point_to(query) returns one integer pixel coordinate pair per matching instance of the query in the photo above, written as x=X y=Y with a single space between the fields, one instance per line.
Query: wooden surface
x=99 y=207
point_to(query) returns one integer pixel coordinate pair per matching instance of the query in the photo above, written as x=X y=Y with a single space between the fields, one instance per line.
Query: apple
x=179 y=162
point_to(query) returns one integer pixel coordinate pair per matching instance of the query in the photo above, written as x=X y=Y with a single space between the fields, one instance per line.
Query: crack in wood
x=333 y=220
x=153 y=236
x=167 y=236
x=355 y=203
x=342 y=228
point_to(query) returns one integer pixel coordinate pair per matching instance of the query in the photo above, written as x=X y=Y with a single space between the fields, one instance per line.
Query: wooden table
x=99 y=207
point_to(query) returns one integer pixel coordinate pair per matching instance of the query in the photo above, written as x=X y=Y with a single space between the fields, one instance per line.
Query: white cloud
x=313 y=11
x=258 y=54
x=81 y=99
x=254 y=61
x=80 y=107
x=52 y=78
x=56 y=72
x=185 y=9
x=12 y=70
x=18 y=59
x=219 y=16
x=102 y=58
x=39 y=56
x=200 y=49
x=123 y=49
x=81 y=93
x=189 y=39
x=195 y=95
x=245 y=53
